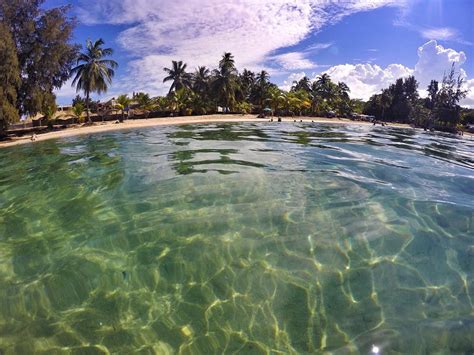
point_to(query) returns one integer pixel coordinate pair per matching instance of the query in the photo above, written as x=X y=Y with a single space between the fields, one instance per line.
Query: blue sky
x=366 y=43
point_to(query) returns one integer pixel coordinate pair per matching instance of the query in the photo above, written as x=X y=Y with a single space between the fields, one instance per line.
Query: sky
x=368 y=44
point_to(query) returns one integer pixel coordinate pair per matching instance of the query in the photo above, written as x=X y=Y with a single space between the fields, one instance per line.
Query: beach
x=99 y=127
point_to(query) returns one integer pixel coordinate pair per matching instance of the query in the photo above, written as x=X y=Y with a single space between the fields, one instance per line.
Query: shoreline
x=179 y=120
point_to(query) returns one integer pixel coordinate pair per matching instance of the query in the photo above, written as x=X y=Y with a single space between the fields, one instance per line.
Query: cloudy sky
x=365 y=43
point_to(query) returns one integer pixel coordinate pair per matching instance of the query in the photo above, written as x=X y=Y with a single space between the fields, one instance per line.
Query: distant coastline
x=178 y=120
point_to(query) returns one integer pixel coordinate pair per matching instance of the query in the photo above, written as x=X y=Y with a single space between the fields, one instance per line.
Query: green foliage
x=78 y=111
x=144 y=102
x=447 y=111
x=93 y=73
x=122 y=102
x=225 y=83
x=9 y=79
x=177 y=74
x=467 y=116
x=44 y=52
x=397 y=103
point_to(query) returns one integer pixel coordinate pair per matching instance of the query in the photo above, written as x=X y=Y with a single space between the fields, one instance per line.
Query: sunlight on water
x=244 y=238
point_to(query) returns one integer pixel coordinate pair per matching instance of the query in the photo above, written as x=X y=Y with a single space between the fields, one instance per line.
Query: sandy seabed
x=140 y=123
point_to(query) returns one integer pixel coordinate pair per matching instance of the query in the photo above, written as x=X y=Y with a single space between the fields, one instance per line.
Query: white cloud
x=293 y=61
x=200 y=31
x=469 y=100
x=316 y=47
x=364 y=80
x=434 y=60
x=441 y=33
x=288 y=83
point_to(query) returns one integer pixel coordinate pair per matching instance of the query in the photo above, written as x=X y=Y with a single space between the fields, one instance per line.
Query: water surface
x=238 y=238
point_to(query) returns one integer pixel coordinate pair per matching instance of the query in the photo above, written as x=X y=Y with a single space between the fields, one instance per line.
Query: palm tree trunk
x=87 y=107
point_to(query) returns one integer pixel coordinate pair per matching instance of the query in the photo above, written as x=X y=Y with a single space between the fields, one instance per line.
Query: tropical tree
x=433 y=89
x=447 y=109
x=9 y=80
x=93 y=73
x=260 y=90
x=122 y=102
x=178 y=75
x=48 y=111
x=303 y=84
x=225 y=85
x=247 y=81
x=43 y=48
x=201 y=79
x=180 y=100
x=78 y=111
x=144 y=102
x=276 y=98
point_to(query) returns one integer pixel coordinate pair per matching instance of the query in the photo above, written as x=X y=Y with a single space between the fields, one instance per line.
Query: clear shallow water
x=244 y=238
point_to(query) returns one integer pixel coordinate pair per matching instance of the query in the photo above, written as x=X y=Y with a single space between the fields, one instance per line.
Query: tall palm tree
x=177 y=74
x=201 y=80
x=260 y=93
x=93 y=73
x=227 y=64
x=247 y=80
x=225 y=84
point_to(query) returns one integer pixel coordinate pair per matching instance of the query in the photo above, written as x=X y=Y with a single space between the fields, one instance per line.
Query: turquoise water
x=238 y=238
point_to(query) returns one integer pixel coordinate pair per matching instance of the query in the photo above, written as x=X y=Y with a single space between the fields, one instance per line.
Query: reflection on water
x=291 y=238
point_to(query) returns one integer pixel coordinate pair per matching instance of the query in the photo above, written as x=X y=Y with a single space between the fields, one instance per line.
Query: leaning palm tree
x=93 y=73
x=177 y=74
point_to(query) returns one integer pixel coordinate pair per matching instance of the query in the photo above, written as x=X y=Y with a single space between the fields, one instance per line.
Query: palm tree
x=78 y=111
x=276 y=98
x=343 y=90
x=302 y=84
x=178 y=75
x=201 y=80
x=227 y=64
x=260 y=93
x=93 y=73
x=122 y=102
x=144 y=102
x=225 y=84
x=247 y=81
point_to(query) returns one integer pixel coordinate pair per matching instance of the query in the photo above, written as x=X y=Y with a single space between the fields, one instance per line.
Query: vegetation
x=78 y=111
x=36 y=56
x=122 y=103
x=93 y=73
x=401 y=103
x=9 y=79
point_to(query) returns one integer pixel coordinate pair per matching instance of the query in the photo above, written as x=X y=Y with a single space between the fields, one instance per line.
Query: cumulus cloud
x=364 y=80
x=469 y=100
x=201 y=30
x=434 y=60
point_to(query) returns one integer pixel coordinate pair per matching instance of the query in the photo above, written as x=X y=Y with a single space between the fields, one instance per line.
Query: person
x=33 y=137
